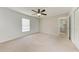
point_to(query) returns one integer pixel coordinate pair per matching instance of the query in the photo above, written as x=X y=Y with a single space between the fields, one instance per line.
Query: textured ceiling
x=51 y=11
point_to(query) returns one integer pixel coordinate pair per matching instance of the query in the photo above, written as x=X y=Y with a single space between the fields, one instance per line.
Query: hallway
x=39 y=42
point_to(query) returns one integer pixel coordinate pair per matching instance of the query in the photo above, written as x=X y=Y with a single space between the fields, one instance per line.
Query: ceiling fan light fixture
x=38 y=14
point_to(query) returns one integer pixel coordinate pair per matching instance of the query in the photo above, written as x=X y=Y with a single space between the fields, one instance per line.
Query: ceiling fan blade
x=43 y=10
x=34 y=11
x=38 y=10
x=34 y=14
x=43 y=14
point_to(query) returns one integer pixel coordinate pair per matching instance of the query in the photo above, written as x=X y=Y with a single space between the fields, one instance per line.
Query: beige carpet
x=39 y=43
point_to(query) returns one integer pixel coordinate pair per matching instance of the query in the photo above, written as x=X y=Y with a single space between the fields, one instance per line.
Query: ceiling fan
x=39 y=12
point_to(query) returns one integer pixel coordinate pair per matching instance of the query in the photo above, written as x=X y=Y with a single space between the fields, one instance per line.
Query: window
x=25 y=25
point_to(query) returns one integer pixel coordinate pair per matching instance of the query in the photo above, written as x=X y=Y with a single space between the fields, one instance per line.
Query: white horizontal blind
x=25 y=25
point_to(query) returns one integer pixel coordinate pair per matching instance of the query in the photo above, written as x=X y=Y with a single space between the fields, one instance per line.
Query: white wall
x=75 y=27
x=49 y=25
x=76 y=18
x=10 y=24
